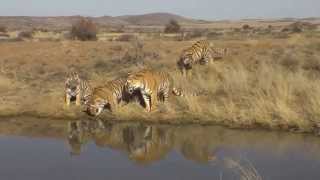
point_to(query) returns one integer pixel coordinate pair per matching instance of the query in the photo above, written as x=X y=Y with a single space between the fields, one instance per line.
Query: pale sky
x=201 y=9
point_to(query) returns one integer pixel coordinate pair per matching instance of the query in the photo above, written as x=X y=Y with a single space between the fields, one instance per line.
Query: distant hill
x=63 y=22
x=155 y=19
x=52 y=23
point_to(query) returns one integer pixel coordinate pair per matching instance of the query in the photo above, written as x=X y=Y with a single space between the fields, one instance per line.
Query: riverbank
x=267 y=82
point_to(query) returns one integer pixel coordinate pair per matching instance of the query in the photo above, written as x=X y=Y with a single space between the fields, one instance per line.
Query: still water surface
x=41 y=149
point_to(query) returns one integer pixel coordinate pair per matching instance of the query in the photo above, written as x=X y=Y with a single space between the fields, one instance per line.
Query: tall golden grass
x=266 y=82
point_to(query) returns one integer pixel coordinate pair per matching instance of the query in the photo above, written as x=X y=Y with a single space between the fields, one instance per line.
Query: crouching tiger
x=108 y=96
x=154 y=86
x=199 y=53
x=76 y=89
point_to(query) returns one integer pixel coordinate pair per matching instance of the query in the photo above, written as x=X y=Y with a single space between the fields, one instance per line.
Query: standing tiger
x=107 y=96
x=199 y=53
x=154 y=86
x=76 y=89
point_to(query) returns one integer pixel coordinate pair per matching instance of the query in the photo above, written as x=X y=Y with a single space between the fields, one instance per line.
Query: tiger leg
x=188 y=73
x=67 y=99
x=183 y=72
x=147 y=100
x=147 y=132
x=166 y=94
x=78 y=100
x=153 y=101
x=208 y=59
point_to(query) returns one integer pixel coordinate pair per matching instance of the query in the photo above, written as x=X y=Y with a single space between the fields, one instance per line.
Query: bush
x=84 y=30
x=3 y=29
x=25 y=35
x=126 y=37
x=296 y=29
x=290 y=63
x=172 y=27
x=194 y=34
x=246 y=27
x=214 y=35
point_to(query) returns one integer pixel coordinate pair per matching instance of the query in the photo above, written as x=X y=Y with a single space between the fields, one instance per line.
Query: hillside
x=154 y=19
x=63 y=22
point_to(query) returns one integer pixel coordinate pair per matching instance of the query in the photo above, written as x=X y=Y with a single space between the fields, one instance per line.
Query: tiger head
x=98 y=102
x=185 y=61
x=75 y=137
x=72 y=84
x=133 y=84
x=96 y=108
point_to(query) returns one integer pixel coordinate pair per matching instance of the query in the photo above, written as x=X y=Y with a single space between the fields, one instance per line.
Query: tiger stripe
x=200 y=52
x=154 y=86
x=107 y=96
x=77 y=88
x=184 y=93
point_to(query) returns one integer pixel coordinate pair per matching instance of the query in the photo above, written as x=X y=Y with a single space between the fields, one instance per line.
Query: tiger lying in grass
x=185 y=93
x=76 y=89
x=200 y=52
x=108 y=96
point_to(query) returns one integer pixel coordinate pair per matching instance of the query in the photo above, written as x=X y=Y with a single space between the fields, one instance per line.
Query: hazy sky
x=203 y=9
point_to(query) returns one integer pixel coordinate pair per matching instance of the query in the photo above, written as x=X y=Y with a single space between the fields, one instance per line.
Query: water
x=42 y=149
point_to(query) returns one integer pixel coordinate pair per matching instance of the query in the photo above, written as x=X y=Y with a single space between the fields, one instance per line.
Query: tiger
x=77 y=136
x=108 y=96
x=200 y=52
x=154 y=86
x=77 y=89
x=153 y=145
x=184 y=93
x=219 y=53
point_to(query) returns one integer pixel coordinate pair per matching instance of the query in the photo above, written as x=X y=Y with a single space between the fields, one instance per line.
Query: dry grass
x=268 y=82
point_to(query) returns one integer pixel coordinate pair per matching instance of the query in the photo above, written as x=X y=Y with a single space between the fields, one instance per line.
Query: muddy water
x=42 y=149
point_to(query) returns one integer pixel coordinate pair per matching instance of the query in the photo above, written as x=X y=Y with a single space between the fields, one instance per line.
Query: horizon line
x=176 y=14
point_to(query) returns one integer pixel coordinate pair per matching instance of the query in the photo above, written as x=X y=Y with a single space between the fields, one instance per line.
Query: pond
x=34 y=149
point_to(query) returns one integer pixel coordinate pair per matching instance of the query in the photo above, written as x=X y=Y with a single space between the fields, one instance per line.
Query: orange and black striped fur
x=218 y=53
x=199 y=53
x=184 y=93
x=154 y=86
x=76 y=89
x=108 y=96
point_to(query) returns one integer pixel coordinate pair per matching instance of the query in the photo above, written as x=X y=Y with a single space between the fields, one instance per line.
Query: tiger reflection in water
x=144 y=144
x=80 y=133
x=152 y=144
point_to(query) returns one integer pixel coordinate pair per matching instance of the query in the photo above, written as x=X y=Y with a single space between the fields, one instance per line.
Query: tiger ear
x=76 y=75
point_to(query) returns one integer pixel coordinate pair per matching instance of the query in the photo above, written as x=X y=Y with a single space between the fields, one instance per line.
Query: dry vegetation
x=269 y=79
x=84 y=30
